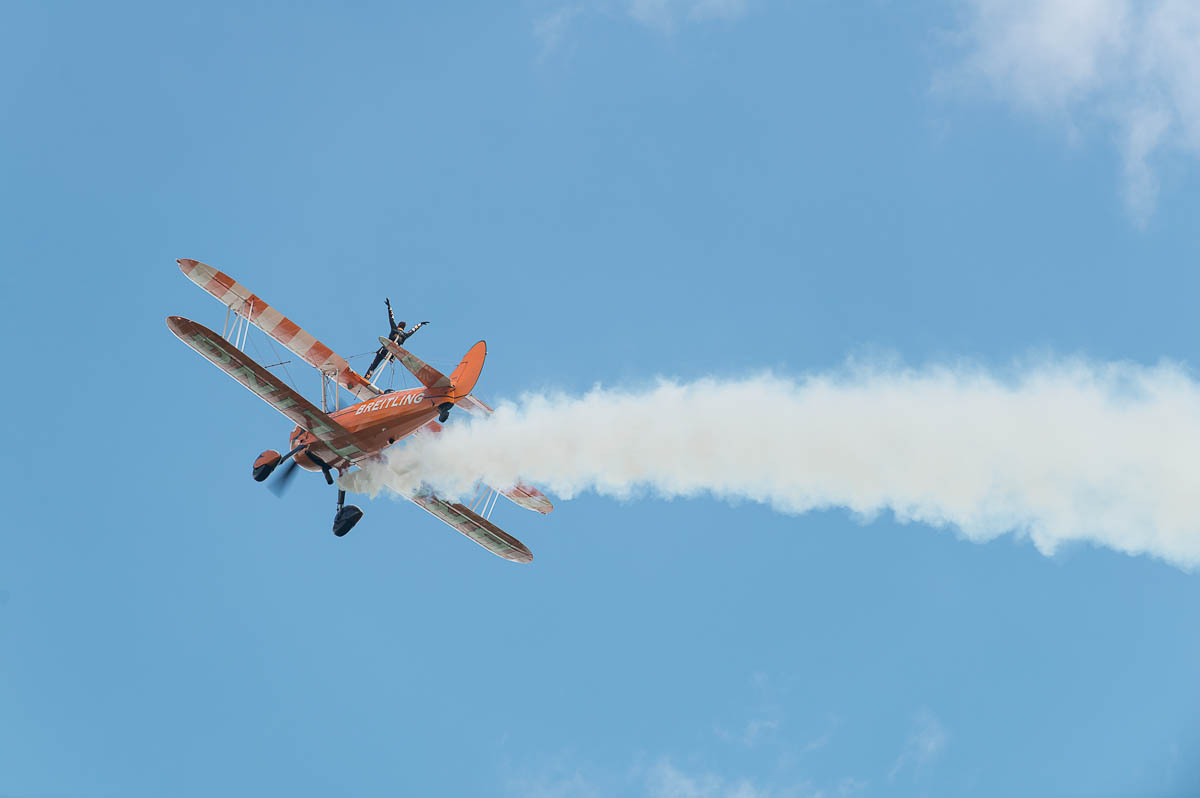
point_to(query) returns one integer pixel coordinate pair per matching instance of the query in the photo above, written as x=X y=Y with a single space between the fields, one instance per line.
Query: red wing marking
x=318 y=352
x=285 y=331
x=220 y=283
x=240 y=300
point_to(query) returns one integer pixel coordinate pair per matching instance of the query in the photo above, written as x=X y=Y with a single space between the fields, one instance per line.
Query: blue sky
x=607 y=193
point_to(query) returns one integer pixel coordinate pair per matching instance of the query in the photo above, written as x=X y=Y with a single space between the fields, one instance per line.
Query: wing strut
x=251 y=309
x=269 y=388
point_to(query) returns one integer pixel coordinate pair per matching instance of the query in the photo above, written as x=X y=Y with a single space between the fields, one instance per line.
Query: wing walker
x=339 y=439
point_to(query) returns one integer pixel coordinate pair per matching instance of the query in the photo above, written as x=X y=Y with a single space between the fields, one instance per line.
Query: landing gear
x=444 y=411
x=346 y=517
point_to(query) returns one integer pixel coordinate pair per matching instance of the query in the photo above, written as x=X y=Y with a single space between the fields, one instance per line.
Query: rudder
x=466 y=374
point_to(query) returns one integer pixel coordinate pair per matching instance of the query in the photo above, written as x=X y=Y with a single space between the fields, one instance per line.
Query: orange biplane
x=340 y=439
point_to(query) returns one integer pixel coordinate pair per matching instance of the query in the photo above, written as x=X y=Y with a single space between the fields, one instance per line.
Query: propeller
x=285 y=475
x=289 y=470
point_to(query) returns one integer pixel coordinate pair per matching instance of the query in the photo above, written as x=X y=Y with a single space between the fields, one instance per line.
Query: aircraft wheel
x=345 y=519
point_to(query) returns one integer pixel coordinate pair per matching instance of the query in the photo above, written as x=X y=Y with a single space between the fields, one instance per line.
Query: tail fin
x=456 y=386
x=467 y=373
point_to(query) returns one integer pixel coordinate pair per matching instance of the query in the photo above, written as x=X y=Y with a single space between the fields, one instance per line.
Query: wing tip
x=530 y=498
x=522 y=555
x=175 y=323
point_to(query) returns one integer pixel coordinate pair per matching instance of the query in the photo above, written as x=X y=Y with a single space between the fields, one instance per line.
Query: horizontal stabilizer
x=475 y=406
x=430 y=377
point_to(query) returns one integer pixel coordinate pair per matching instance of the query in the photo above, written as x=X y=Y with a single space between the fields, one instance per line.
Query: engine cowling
x=304 y=461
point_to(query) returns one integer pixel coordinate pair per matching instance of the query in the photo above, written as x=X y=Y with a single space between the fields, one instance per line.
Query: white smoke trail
x=1063 y=451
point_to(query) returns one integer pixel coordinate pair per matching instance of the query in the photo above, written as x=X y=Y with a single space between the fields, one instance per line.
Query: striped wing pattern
x=238 y=298
x=474 y=526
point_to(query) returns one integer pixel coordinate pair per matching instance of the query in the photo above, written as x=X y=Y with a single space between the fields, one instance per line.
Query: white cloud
x=654 y=13
x=817 y=743
x=555 y=781
x=551 y=29
x=665 y=14
x=716 y=9
x=925 y=742
x=665 y=780
x=754 y=732
x=1045 y=53
x=850 y=786
x=1133 y=66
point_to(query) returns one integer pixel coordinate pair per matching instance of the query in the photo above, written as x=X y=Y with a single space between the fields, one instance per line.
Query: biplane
x=328 y=439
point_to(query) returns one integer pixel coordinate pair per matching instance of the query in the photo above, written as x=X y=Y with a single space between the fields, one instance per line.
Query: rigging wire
x=275 y=352
x=284 y=363
x=480 y=496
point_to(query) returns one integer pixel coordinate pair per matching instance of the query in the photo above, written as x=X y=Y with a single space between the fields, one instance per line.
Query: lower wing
x=474 y=526
x=267 y=387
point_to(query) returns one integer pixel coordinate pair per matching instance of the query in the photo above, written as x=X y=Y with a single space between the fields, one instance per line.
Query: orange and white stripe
x=240 y=300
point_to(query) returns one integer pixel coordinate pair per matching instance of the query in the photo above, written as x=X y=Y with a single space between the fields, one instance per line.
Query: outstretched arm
x=391 y=316
x=409 y=332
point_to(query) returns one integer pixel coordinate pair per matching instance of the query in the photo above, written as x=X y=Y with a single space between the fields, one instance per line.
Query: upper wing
x=267 y=386
x=238 y=298
x=525 y=496
x=474 y=526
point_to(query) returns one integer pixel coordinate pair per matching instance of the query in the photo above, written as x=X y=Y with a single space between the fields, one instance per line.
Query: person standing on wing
x=398 y=335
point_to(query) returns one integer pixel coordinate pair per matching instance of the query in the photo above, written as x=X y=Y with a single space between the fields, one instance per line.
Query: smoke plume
x=1061 y=451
